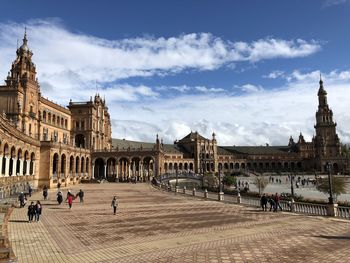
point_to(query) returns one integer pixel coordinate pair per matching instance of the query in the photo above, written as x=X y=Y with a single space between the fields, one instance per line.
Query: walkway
x=153 y=226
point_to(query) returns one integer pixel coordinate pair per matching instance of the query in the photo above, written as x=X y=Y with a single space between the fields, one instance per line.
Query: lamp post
x=177 y=178
x=219 y=180
x=291 y=185
x=329 y=167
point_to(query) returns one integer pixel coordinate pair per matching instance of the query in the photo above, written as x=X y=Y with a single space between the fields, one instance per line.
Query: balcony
x=32 y=114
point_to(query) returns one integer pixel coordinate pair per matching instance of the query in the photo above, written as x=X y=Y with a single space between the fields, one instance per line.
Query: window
x=77 y=124
x=30 y=128
x=82 y=125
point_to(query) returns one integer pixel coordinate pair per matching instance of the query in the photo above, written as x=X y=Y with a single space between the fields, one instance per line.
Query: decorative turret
x=301 y=138
x=291 y=141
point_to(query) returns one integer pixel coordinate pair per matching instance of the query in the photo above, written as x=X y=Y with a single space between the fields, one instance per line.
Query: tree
x=260 y=183
x=210 y=180
x=229 y=180
x=338 y=185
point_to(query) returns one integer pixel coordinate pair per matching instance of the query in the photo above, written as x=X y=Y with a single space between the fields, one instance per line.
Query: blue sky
x=247 y=70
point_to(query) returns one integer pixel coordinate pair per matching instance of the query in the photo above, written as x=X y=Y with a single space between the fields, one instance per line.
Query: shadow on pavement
x=335 y=237
x=18 y=221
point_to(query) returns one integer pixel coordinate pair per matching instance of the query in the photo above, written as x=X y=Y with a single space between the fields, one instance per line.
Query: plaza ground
x=155 y=226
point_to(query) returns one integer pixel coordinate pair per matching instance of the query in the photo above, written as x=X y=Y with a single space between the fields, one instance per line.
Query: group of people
x=273 y=201
x=34 y=211
x=70 y=197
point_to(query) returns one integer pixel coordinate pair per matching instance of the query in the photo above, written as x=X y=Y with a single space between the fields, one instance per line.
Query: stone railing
x=296 y=207
x=343 y=212
x=309 y=208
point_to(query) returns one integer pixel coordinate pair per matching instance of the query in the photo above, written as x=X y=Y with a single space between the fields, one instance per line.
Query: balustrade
x=343 y=212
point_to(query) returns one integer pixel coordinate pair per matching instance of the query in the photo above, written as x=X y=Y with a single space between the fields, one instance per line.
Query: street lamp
x=177 y=178
x=329 y=167
x=291 y=185
x=219 y=180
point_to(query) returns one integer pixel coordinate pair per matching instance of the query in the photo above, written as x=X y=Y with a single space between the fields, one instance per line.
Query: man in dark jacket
x=31 y=212
x=263 y=202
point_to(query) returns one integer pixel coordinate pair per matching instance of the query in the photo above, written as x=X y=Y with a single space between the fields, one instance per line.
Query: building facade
x=47 y=144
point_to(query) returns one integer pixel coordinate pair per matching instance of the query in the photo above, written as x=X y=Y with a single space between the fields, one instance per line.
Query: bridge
x=190 y=177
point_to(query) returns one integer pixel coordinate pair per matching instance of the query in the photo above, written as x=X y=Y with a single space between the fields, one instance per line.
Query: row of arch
x=123 y=168
x=56 y=120
x=62 y=166
x=16 y=161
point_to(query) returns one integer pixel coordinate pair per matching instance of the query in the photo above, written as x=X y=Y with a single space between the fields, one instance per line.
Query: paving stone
x=155 y=226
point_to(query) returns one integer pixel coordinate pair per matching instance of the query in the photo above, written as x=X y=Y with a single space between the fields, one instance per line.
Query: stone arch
x=186 y=166
x=123 y=164
x=71 y=164
x=55 y=161
x=19 y=162
x=63 y=164
x=191 y=166
x=170 y=167
x=148 y=163
x=25 y=163
x=31 y=164
x=236 y=166
x=87 y=165
x=243 y=166
x=82 y=166
x=111 y=171
x=99 y=171
x=231 y=166
x=12 y=164
x=135 y=168
x=80 y=140
x=77 y=162
x=165 y=167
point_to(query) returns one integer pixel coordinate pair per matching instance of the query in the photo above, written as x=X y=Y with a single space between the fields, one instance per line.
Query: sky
x=247 y=70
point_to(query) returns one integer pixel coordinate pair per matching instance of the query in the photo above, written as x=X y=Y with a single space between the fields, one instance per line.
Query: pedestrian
x=263 y=202
x=272 y=203
x=45 y=192
x=38 y=209
x=81 y=196
x=30 y=190
x=21 y=199
x=70 y=199
x=59 y=197
x=31 y=212
x=114 y=204
x=277 y=200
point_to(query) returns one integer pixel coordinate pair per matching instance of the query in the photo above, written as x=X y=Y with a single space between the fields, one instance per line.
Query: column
x=28 y=167
x=33 y=167
x=129 y=169
x=116 y=169
x=105 y=175
x=1 y=165
x=14 y=164
x=140 y=171
x=20 y=167
x=7 y=161
x=93 y=171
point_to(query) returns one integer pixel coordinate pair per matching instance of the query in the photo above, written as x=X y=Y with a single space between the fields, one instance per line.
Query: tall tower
x=22 y=92
x=326 y=142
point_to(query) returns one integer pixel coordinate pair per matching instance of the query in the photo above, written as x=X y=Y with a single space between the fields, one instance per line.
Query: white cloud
x=275 y=74
x=71 y=62
x=249 y=88
x=329 y=3
x=268 y=116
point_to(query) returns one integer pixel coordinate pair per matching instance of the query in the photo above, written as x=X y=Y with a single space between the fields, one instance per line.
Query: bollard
x=239 y=198
x=332 y=209
x=194 y=192
x=292 y=205
x=206 y=194
x=221 y=196
x=176 y=189
x=184 y=191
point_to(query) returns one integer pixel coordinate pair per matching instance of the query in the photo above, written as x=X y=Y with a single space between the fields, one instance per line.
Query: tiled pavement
x=154 y=226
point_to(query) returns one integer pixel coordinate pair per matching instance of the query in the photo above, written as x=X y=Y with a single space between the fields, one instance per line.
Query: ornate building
x=46 y=144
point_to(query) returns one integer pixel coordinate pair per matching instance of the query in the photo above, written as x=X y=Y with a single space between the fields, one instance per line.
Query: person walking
x=114 y=204
x=272 y=203
x=59 y=197
x=31 y=212
x=21 y=199
x=70 y=200
x=81 y=196
x=263 y=202
x=30 y=190
x=45 y=192
x=38 y=209
x=277 y=200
